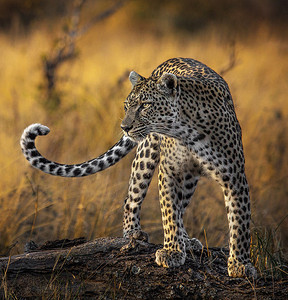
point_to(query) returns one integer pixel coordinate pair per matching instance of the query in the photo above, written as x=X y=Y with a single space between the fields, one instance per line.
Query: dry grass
x=40 y=207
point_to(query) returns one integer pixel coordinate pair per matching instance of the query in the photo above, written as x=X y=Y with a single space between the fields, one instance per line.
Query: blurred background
x=65 y=64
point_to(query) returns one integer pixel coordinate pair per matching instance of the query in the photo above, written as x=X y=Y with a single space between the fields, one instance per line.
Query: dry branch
x=232 y=60
x=99 y=269
x=65 y=48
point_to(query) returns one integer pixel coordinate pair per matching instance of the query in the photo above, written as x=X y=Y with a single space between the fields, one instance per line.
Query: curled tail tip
x=31 y=132
x=36 y=129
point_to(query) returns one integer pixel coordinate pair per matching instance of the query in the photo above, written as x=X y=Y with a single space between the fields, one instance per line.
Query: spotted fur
x=182 y=119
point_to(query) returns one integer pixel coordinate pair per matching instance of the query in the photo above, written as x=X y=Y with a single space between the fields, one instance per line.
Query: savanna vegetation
x=245 y=41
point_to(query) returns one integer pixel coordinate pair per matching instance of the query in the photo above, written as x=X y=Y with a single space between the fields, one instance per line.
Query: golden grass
x=40 y=207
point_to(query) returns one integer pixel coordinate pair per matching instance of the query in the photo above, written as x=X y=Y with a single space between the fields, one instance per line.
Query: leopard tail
x=107 y=159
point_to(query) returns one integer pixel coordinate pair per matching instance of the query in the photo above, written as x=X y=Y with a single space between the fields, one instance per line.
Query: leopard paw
x=250 y=271
x=168 y=258
x=193 y=244
x=238 y=269
x=136 y=235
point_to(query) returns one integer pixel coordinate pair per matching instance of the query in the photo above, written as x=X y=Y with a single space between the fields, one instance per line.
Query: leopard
x=182 y=120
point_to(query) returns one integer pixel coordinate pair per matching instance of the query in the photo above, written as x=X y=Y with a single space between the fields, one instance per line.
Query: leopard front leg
x=190 y=180
x=173 y=253
x=143 y=167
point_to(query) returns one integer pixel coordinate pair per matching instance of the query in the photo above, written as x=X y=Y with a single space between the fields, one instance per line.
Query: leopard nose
x=126 y=128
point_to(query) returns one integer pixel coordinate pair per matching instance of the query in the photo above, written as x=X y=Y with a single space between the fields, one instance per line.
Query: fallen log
x=104 y=269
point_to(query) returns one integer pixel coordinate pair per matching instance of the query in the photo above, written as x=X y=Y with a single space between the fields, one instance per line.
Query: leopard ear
x=135 y=78
x=167 y=83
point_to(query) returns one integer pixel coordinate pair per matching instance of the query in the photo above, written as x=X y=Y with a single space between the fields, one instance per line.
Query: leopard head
x=151 y=106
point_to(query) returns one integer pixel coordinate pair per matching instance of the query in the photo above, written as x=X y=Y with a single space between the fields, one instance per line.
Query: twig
x=5 y=285
x=232 y=60
x=206 y=241
x=36 y=213
x=107 y=13
x=65 y=48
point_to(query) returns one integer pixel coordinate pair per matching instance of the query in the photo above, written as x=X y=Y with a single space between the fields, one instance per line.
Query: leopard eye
x=146 y=105
x=125 y=106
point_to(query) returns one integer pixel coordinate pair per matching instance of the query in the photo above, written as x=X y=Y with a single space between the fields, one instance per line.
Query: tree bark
x=101 y=269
